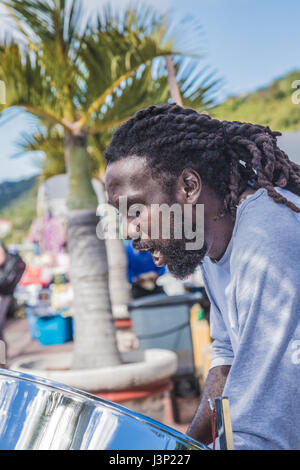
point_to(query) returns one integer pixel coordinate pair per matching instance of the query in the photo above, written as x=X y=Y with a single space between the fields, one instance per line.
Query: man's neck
x=218 y=231
x=220 y=236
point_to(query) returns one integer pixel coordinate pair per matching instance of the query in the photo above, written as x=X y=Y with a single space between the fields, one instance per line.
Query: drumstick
x=224 y=423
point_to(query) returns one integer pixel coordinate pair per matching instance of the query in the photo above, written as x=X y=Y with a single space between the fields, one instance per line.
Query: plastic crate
x=54 y=329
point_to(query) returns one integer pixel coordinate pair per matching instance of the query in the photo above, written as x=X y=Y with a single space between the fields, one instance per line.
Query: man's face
x=147 y=218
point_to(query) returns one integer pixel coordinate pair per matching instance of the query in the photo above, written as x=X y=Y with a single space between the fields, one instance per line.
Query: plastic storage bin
x=54 y=329
x=162 y=321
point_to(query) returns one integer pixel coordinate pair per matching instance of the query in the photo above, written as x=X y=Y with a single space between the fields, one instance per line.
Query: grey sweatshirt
x=255 y=322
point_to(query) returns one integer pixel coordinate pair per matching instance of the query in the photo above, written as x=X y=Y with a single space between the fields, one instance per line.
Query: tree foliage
x=90 y=77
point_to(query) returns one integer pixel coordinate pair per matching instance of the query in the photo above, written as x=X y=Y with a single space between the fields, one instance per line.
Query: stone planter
x=139 y=383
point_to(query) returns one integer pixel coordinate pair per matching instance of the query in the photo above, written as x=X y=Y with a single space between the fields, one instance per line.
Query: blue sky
x=248 y=42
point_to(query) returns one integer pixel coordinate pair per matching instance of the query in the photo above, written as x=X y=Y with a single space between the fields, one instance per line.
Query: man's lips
x=158 y=258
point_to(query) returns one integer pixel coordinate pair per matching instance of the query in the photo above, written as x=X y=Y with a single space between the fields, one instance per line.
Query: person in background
x=4 y=299
x=48 y=234
x=142 y=272
x=12 y=268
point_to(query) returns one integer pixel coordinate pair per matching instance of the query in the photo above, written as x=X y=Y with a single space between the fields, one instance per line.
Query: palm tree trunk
x=173 y=85
x=95 y=342
x=119 y=287
x=117 y=264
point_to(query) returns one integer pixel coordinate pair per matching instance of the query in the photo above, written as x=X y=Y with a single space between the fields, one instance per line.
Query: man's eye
x=135 y=210
x=134 y=215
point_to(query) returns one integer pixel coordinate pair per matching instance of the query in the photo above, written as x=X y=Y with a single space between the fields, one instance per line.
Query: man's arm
x=200 y=428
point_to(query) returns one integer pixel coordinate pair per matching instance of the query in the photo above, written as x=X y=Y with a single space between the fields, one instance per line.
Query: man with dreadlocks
x=250 y=258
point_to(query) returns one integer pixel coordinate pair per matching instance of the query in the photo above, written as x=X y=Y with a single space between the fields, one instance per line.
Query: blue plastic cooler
x=54 y=329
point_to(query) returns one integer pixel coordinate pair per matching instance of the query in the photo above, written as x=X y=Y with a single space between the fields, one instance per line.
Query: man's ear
x=189 y=186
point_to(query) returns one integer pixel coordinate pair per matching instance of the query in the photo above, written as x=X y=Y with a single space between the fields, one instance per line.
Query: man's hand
x=200 y=429
x=147 y=280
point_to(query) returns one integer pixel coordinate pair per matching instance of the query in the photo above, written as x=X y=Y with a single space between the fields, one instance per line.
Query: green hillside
x=270 y=106
x=12 y=190
x=18 y=204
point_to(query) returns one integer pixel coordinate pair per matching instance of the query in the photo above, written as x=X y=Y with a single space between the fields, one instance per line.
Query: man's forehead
x=130 y=172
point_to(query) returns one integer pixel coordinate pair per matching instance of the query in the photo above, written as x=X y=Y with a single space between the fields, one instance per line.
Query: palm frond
x=26 y=83
x=116 y=50
x=52 y=33
x=50 y=141
x=99 y=76
x=139 y=91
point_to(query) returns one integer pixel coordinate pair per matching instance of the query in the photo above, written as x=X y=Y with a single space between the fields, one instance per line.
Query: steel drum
x=39 y=414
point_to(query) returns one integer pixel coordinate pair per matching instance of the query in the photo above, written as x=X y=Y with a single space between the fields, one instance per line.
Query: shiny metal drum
x=40 y=414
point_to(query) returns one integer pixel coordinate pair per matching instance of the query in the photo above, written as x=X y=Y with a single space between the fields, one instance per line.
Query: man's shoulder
x=262 y=212
x=263 y=229
x=264 y=225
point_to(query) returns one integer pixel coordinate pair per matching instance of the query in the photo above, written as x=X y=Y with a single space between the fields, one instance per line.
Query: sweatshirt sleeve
x=222 y=349
x=264 y=303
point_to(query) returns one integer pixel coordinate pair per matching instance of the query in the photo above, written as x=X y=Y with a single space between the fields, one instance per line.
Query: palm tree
x=51 y=143
x=83 y=81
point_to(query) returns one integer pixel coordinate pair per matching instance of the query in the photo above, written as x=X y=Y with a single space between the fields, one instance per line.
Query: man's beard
x=180 y=261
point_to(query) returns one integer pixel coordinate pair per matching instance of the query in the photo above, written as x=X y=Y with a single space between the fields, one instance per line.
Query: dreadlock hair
x=227 y=155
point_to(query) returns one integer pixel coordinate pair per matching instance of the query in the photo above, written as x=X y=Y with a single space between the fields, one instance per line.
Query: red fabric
x=32 y=276
x=135 y=393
